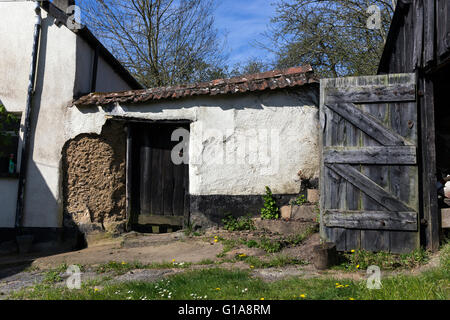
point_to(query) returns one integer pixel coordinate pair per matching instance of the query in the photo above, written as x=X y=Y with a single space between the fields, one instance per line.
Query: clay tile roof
x=271 y=80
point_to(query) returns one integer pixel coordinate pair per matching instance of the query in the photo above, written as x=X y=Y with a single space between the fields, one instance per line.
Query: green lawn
x=219 y=284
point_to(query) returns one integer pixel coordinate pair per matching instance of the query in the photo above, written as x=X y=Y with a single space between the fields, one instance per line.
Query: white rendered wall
x=285 y=126
x=65 y=62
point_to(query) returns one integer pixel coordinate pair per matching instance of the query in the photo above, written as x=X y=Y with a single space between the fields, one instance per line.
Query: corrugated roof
x=271 y=80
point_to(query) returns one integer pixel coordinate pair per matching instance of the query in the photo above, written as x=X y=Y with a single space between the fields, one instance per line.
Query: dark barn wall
x=419 y=37
x=419 y=42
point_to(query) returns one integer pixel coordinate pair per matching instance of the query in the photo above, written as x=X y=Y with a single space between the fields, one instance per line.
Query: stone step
x=294 y=212
x=291 y=227
x=312 y=195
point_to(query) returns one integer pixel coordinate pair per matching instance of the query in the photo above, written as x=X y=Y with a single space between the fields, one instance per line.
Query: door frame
x=131 y=214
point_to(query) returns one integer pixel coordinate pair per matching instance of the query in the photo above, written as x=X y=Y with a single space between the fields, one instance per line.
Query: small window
x=9 y=141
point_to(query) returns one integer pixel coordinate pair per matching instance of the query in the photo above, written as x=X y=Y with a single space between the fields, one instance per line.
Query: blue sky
x=243 y=21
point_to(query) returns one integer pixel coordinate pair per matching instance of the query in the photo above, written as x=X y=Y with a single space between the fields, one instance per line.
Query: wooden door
x=163 y=187
x=369 y=171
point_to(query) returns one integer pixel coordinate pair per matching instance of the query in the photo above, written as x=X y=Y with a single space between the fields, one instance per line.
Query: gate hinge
x=424 y=222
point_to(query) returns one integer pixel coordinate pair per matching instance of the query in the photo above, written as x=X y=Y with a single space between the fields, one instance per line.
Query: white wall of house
x=238 y=144
x=65 y=61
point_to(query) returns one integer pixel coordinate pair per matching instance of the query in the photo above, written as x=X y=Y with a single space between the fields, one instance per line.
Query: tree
x=162 y=42
x=251 y=65
x=337 y=37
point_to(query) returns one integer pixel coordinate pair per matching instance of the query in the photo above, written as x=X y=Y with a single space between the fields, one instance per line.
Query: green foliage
x=270 y=211
x=6 y=119
x=331 y=35
x=276 y=245
x=276 y=261
x=362 y=259
x=191 y=231
x=270 y=246
x=54 y=275
x=123 y=267
x=299 y=201
x=295 y=240
x=230 y=223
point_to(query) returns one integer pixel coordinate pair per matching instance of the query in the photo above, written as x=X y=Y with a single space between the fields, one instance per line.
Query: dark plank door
x=163 y=189
x=369 y=173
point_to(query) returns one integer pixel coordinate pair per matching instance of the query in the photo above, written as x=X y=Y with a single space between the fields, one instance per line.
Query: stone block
x=312 y=195
x=285 y=212
x=445 y=218
x=305 y=212
x=291 y=227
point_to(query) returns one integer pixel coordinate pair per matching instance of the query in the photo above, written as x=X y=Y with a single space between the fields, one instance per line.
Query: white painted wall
x=65 y=69
x=220 y=123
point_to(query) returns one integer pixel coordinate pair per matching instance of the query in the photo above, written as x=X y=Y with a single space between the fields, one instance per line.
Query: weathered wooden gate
x=369 y=171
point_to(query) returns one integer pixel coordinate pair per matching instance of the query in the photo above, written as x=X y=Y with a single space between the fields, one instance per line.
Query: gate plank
x=371 y=155
x=377 y=220
x=373 y=93
x=367 y=123
x=369 y=187
x=403 y=180
x=374 y=240
x=352 y=237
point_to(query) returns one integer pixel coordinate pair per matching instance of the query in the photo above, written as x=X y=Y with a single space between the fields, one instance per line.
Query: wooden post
x=428 y=151
x=325 y=255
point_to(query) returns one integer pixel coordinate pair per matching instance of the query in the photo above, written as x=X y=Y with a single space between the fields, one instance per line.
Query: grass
x=276 y=261
x=361 y=259
x=217 y=284
x=124 y=267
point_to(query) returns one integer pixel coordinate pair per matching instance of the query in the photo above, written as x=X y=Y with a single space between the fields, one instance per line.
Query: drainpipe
x=27 y=121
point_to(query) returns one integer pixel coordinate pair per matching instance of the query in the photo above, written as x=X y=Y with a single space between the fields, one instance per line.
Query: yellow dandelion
x=215 y=240
x=217 y=289
x=357 y=267
x=242 y=255
x=173 y=260
x=346 y=285
x=123 y=262
x=353 y=250
x=96 y=289
x=215 y=237
x=261 y=299
x=351 y=298
x=251 y=267
x=303 y=295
